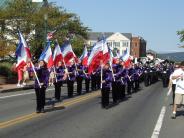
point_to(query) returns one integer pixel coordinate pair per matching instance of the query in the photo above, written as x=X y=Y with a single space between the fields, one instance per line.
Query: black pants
x=40 y=98
x=58 y=90
x=87 y=84
x=79 y=85
x=173 y=90
x=165 y=79
x=114 y=92
x=98 y=82
x=136 y=85
x=70 y=85
x=129 y=87
x=121 y=91
x=93 y=83
x=147 y=79
x=105 y=96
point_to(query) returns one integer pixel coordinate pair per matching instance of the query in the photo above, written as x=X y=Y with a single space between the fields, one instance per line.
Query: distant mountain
x=175 y=56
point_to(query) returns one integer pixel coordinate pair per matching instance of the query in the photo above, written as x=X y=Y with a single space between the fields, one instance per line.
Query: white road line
x=169 y=92
x=21 y=94
x=4 y=97
x=158 y=126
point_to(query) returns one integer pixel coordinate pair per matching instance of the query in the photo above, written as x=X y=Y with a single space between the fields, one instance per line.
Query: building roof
x=97 y=35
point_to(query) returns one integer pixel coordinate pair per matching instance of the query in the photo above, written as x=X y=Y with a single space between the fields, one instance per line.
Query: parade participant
x=117 y=76
x=79 y=78
x=98 y=79
x=123 y=81
x=43 y=77
x=71 y=78
x=147 y=75
x=165 y=76
x=136 y=77
x=87 y=79
x=139 y=71
x=60 y=77
x=130 y=79
x=178 y=74
x=93 y=81
x=106 y=84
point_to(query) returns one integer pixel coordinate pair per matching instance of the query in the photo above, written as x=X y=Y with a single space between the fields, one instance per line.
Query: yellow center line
x=35 y=115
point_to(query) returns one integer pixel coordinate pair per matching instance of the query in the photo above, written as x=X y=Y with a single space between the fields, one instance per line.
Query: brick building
x=138 y=47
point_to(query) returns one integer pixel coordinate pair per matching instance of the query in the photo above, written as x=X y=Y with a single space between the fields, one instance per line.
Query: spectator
x=20 y=77
x=25 y=74
x=178 y=74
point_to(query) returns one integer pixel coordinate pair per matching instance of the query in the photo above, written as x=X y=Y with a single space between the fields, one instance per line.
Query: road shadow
x=180 y=111
x=51 y=109
x=112 y=104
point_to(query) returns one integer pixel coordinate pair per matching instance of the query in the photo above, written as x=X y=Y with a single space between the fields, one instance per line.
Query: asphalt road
x=138 y=116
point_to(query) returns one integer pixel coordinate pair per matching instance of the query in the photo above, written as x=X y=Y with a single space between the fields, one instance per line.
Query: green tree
x=181 y=35
x=29 y=18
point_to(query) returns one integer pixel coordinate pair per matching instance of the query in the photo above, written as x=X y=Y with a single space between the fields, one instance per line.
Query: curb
x=17 y=89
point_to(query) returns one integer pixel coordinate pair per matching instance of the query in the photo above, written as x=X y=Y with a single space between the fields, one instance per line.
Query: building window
x=116 y=44
x=125 y=44
x=109 y=44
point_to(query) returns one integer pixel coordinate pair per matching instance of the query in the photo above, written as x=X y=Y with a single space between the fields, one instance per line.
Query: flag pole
x=101 y=75
x=112 y=71
x=55 y=73
x=101 y=61
x=66 y=69
x=33 y=67
x=111 y=59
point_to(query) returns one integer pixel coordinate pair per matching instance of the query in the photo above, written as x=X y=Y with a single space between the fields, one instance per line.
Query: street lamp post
x=45 y=5
x=45 y=26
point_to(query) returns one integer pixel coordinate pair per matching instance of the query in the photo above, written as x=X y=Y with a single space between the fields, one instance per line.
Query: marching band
x=120 y=80
x=120 y=75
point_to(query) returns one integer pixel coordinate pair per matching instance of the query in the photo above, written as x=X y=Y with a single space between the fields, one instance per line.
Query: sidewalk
x=13 y=87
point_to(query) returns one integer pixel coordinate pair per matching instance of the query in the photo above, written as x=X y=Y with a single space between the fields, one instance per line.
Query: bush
x=6 y=70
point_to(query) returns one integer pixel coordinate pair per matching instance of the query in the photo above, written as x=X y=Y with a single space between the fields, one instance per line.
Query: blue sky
x=155 y=20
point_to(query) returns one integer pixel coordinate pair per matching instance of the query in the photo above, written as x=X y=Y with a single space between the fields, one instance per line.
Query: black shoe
x=42 y=111
x=107 y=107
x=115 y=103
x=38 y=111
x=103 y=106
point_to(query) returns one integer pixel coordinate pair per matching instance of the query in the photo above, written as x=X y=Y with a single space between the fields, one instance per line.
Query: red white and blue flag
x=22 y=52
x=57 y=55
x=96 y=56
x=47 y=56
x=106 y=52
x=84 y=57
x=126 y=58
x=67 y=52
